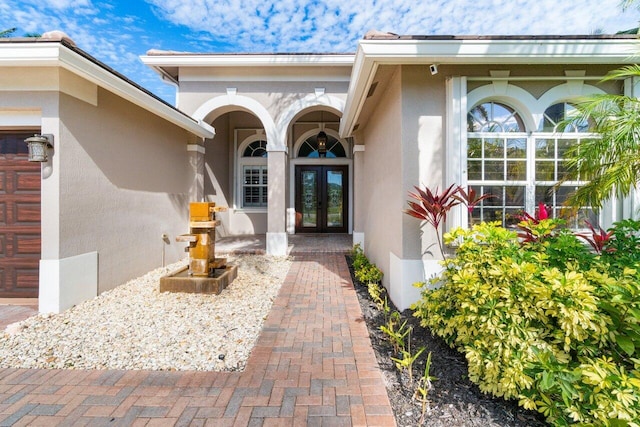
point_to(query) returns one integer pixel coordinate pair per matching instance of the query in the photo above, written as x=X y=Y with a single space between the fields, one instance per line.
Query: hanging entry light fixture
x=322 y=143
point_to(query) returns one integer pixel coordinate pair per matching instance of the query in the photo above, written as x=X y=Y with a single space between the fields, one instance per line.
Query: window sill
x=250 y=210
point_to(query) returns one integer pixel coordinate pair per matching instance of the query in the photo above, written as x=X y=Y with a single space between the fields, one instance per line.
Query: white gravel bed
x=136 y=327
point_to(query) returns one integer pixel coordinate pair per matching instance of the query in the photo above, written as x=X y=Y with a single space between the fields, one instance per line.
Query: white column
x=456 y=143
x=358 y=179
x=277 y=242
x=196 y=162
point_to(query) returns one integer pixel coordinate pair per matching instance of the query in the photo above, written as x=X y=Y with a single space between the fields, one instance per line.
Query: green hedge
x=547 y=322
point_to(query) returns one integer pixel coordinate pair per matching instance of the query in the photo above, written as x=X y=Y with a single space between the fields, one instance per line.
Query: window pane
x=563 y=145
x=517 y=148
x=493 y=148
x=545 y=149
x=474 y=168
x=474 y=148
x=545 y=171
x=516 y=170
x=544 y=195
x=494 y=170
x=514 y=196
x=336 y=149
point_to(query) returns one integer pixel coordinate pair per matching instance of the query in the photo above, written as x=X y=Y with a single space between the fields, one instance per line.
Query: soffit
x=376 y=93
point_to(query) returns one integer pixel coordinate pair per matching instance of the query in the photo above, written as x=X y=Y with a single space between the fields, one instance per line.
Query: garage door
x=19 y=218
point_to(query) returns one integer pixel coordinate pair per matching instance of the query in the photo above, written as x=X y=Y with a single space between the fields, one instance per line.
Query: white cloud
x=336 y=25
x=60 y=4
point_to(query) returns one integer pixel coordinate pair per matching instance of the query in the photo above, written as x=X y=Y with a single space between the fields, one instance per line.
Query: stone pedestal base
x=180 y=281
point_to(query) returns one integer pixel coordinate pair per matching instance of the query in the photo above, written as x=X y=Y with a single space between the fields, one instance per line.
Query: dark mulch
x=453 y=400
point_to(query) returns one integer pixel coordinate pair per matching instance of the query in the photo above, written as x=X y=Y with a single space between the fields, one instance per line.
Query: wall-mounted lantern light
x=322 y=143
x=38 y=146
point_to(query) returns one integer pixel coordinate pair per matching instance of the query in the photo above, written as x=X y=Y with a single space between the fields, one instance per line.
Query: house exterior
x=405 y=111
x=298 y=143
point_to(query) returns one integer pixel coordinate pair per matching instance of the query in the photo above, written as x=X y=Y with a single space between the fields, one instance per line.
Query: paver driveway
x=313 y=365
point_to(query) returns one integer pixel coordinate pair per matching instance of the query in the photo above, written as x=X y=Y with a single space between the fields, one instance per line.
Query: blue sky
x=117 y=32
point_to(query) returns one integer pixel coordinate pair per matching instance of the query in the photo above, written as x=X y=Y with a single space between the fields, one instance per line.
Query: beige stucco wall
x=276 y=92
x=124 y=179
x=423 y=163
x=379 y=200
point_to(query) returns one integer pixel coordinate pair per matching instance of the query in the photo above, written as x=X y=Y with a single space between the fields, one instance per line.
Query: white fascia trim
x=54 y=54
x=213 y=60
x=372 y=53
x=362 y=74
x=505 y=51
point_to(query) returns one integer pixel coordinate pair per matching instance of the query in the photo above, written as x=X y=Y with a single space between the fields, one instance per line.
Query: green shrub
x=359 y=260
x=547 y=322
x=369 y=274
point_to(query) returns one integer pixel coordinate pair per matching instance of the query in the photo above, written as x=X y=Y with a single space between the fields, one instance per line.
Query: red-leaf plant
x=471 y=199
x=433 y=207
x=598 y=238
x=527 y=221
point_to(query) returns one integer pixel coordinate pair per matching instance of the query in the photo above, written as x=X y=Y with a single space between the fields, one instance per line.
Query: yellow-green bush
x=546 y=322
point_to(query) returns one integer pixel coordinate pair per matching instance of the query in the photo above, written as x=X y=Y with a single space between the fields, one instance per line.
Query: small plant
x=408 y=359
x=424 y=387
x=369 y=274
x=395 y=331
x=359 y=260
x=471 y=199
x=433 y=207
x=376 y=293
x=598 y=238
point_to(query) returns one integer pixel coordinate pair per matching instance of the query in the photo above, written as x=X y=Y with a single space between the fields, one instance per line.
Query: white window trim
x=238 y=173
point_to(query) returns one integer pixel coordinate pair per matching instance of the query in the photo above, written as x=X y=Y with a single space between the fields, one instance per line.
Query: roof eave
x=173 y=59
x=395 y=51
x=57 y=54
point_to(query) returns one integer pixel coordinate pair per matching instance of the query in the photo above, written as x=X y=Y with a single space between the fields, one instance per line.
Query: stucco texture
x=124 y=178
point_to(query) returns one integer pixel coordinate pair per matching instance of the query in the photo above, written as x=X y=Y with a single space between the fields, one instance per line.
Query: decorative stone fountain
x=204 y=273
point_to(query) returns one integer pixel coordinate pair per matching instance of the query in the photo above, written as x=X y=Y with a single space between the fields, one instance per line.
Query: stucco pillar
x=358 y=208
x=196 y=162
x=277 y=243
x=63 y=282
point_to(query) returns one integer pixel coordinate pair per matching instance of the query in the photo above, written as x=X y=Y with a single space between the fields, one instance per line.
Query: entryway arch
x=320 y=195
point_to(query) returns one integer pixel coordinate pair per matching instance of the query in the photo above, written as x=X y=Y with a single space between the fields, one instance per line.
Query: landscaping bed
x=453 y=399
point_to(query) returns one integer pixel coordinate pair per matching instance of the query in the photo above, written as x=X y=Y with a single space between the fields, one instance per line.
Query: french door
x=321 y=199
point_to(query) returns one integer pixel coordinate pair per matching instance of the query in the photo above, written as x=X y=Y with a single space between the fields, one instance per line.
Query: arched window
x=256 y=149
x=556 y=114
x=309 y=148
x=497 y=161
x=520 y=170
x=254 y=174
x=494 y=117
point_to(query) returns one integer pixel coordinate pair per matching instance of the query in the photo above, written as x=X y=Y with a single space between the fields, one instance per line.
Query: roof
x=56 y=49
x=379 y=48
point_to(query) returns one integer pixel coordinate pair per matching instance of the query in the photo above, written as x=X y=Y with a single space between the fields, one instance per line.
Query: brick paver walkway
x=313 y=365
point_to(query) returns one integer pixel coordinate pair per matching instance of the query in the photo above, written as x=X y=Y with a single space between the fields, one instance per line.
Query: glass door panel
x=309 y=198
x=335 y=198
